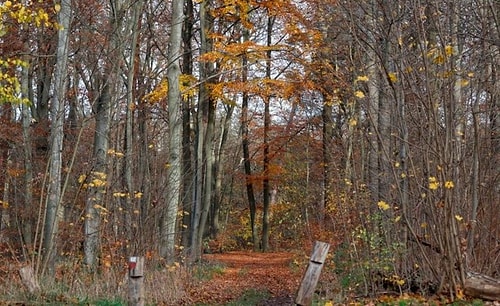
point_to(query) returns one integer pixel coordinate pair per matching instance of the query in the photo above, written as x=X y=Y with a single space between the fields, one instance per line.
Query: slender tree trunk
x=209 y=167
x=97 y=180
x=144 y=162
x=266 y=187
x=5 y=164
x=187 y=167
x=205 y=130
x=53 y=209
x=327 y=113
x=373 y=107
x=459 y=141
x=199 y=185
x=174 y=179
x=26 y=226
x=245 y=143
x=219 y=158
x=131 y=227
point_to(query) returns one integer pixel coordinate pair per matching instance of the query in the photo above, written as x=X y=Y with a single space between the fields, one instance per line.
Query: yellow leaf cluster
x=15 y=11
x=392 y=77
x=82 y=178
x=97 y=183
x=396 y=280
x=359 y=94
x=10 y=87
x=22 y=14
x=234 y=10
x=433 y=183
x=158 y=94
x=187 y=86
x=120 y=194
x=98 y=180
x=138 y=195
x=440 y=55
x=112 y=152
x=383 y=205
x=362 y=78
x=100 y=207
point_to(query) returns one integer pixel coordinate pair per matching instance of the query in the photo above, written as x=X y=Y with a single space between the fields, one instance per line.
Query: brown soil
x=244 y=271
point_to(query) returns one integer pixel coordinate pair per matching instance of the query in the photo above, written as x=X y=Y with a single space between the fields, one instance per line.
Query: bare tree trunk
x=97 y=180
x=98 y=177
x=219 y=159
x=187 y=167
x=209 y=165
x=174 y=179
x=372 y=65
x=328 y=169
x=266 y=187
x=26 y=225
x=205 y=139
x=199 y=185
x=131 y=227
x=458 y=141
x=245 y=141
x=53 y=209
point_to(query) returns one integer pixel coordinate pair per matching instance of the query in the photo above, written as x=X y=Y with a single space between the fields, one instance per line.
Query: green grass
x=250 y=298
x=103 y=302
x=207 y=271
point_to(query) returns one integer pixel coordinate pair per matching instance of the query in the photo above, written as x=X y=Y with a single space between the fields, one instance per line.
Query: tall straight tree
x=133 y=30
x=53 y=210
x=245 y=143
x=204 y=135
x=174 y=180
x=187 y=168
x=106 y=82
x=266 y=187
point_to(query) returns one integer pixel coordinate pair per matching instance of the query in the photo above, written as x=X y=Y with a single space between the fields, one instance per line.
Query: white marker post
x=136 y=280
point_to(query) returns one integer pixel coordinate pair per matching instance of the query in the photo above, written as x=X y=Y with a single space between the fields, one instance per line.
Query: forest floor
x=241 y=272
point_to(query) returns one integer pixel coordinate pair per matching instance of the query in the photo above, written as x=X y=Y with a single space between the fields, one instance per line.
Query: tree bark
x=26 y=225
x=53 y=209
x=482 y=286
x=204 y=135
x=131 y=227
x=245 y=143
x=218 y=167
x=97 y=179
x=174 y=180
x=187 y=154
x=266 y=187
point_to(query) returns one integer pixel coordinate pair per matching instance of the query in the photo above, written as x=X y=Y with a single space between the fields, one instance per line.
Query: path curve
x=246 y=270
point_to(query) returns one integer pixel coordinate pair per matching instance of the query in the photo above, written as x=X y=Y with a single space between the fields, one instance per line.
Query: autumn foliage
x=370 y=125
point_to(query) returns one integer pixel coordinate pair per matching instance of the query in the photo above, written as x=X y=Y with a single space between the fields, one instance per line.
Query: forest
x=183 y=128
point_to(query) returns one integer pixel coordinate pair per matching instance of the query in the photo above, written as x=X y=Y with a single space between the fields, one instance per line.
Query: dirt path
x=242 y=271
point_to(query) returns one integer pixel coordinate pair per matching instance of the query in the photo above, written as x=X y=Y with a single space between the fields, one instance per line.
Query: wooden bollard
x=311 y=277
x=136 y=280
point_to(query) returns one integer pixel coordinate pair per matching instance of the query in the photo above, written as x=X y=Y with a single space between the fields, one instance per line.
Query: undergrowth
x=108 y=287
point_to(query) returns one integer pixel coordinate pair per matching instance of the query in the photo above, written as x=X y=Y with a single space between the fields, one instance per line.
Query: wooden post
x=136 y=281
x=311 y=277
